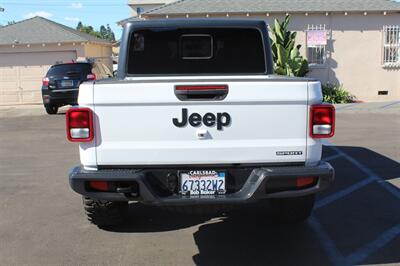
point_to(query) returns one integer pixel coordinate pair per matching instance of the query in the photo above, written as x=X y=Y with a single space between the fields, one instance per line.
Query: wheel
x=292 y=210
x=51 y=109
x=105 y=213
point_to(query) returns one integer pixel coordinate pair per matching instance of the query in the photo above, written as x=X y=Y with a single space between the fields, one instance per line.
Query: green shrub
x=285 y=53
x=334 y=93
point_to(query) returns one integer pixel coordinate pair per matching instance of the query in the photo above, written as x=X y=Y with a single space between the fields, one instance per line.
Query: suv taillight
x=45 y=81
x=79 y=124
x=91 y=76
x=322 y=121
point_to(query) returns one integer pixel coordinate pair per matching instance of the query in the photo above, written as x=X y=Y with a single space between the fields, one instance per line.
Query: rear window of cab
x=196 y=51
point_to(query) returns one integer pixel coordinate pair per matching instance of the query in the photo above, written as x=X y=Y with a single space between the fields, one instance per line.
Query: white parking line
x=328 y=245
x=389 y=187
x=389 y=105
x=329 y=199
x=364 y=252
x=371 y=177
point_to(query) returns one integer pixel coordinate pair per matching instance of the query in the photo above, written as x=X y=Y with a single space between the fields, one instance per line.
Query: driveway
x=357 y=221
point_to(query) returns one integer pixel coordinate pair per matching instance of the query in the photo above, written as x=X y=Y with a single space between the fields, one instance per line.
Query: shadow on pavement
x=145 y=219
x=253 y=240
x=360 y=226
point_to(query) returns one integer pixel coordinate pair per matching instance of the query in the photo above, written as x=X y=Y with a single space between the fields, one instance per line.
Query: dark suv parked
x=61 y=84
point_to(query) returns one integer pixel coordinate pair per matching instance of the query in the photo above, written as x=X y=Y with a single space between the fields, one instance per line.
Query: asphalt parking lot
x=357 y=221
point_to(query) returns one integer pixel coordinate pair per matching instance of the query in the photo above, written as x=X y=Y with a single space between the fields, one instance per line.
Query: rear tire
x=51 y=109
x=292 y=210
x=105 y=213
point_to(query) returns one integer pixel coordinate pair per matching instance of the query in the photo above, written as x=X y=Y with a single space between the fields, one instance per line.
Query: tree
x=88 y=29
x=110 y=34
x=80 y=26
x=103 y=33
x=287 y=58
x=11 y=22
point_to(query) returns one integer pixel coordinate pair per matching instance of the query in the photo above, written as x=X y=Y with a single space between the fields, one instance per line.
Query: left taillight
x=322 y=121
x=79 y=124
x=45 y=81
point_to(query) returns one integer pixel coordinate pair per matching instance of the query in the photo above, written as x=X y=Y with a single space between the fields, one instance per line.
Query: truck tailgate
x=134 y=123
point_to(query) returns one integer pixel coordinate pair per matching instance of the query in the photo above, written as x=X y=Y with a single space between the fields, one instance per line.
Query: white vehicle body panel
x=133 y=122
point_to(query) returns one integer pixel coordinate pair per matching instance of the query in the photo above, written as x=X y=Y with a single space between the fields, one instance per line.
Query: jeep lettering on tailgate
x=209 y=119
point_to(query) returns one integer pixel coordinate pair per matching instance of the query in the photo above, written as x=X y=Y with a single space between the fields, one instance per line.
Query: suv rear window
x=64 y=69
x=196 y=51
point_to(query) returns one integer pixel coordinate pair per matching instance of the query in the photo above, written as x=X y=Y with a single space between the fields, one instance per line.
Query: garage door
x=21 y=74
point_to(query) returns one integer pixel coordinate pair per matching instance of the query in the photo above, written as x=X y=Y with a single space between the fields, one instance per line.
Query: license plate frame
x=202 y=182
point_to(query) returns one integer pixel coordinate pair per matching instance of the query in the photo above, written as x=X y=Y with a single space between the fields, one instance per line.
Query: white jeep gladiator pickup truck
x=195 y=118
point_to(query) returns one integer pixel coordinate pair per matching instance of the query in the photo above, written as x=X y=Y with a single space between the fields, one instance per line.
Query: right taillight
x=91 y=76
x=46 y=81
x=322 y=121
x=79 y=124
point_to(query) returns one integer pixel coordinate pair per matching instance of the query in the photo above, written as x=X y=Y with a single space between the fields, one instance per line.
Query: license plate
x=202 y=182
x=67 y=83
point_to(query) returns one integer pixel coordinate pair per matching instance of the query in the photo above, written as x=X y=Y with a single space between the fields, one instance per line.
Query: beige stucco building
x=30 y=47
x=354 y=43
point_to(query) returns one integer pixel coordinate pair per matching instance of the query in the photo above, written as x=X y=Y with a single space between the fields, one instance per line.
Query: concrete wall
x=354 y=50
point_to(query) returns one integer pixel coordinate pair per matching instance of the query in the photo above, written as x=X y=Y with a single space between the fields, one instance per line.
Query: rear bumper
x=63 y=97
x=254 y=188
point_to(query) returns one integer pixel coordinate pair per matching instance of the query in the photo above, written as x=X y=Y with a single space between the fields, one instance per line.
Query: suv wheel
x=105 y=213
x=292 y=210
x=51 y=109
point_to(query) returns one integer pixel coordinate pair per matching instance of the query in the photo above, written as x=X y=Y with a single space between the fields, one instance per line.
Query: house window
x=316 y=44
x=391 y=45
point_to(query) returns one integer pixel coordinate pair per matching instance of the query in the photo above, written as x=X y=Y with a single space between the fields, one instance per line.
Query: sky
x=90 y=12
x=69 y=13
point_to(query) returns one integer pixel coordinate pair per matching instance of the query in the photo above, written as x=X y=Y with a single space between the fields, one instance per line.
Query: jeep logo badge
x=209 y=119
